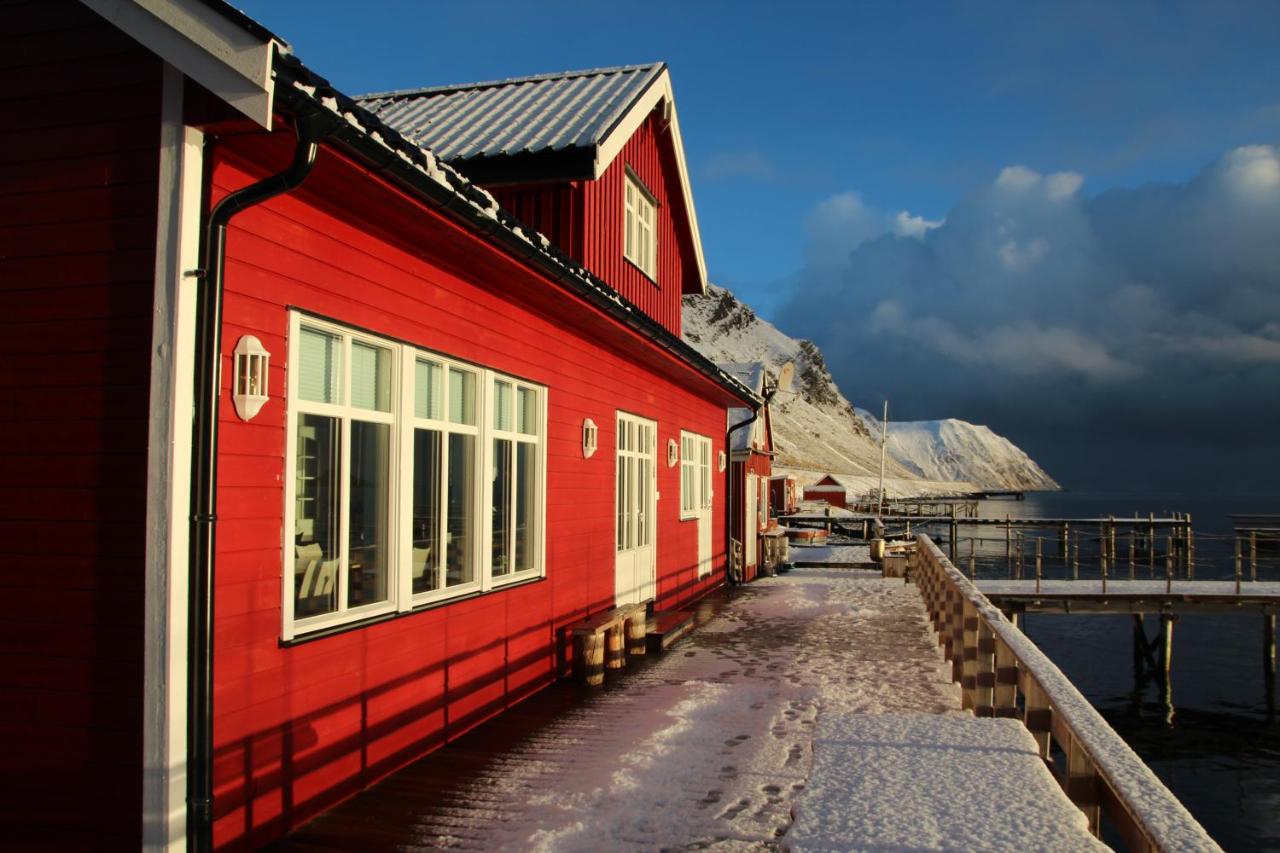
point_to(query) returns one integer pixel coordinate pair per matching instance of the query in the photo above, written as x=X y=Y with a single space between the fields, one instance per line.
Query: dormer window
x=640 y=241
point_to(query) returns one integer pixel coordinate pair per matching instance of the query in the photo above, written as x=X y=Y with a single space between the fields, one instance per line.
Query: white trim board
x=226 y=59
x=164 y=781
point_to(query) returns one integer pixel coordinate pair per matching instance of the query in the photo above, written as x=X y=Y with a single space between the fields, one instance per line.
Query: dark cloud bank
x=1127 y=341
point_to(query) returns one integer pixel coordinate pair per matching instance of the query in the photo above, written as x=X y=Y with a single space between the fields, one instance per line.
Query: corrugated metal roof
x=521 y=115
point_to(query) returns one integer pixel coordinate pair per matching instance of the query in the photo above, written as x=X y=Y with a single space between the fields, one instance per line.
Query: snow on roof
x=569 y=109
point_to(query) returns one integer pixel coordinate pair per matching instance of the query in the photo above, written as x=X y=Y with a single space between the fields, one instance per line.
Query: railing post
x=1133 y=535
x=1253 y=555
x=957 y=637
x=969 y=656
x=1238 y=564
x=1037 y=715
x=1168 y=563
x=1005 y=697
x=1039 y=561
x=1082 y=782
x=1191 y=549
x=984 y=700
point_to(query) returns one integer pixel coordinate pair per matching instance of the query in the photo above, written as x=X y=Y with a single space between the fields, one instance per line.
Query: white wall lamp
x=673 y=452
x=590 y=438
x=722 y=460
x=249 y=377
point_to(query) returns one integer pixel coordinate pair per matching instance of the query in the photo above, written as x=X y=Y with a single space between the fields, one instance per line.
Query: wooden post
x=954 y=532
x=1008 y=543
x=1111 y=548
x=1253 y=555
x=958 y=639
x=1239 y=567
x=1166 y=642
x=1191 y=547
x=615 y=648
x=1151 y=546
x=1037 y=715
x=591 y=659
x=969 y=657
x=973 y=563
x=637 y=628
x=1005 y=698
x=1168 y=563
x=984 y=688
x=1133 y=535
x=1075 y=558
x=1018 y=575
x=1102 y=545
x=1082 y=782
x=1039 y=561
x=1066 y=537
x=1104 y=577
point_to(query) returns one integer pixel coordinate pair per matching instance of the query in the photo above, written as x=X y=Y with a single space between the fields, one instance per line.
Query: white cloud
x=906 y=225
x=843 y=222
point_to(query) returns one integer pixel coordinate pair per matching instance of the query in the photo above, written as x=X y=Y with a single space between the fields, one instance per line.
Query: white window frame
x=640 y=226
x=403 y=421
x=696 y=491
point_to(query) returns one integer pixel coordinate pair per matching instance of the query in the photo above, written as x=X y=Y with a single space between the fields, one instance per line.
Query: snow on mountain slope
x=817 y=430
x=958 y=450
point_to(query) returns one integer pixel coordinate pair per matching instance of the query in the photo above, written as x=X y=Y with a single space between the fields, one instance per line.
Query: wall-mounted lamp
x=722 y=460
x=590 y=438
x=249 y=377
x=673 y=452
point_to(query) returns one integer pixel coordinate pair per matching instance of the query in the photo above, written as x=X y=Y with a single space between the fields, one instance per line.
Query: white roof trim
x=658 y=91
x=226 y=59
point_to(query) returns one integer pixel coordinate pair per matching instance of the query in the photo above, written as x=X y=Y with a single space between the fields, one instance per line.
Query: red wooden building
x=426 y=437
x=829 y=490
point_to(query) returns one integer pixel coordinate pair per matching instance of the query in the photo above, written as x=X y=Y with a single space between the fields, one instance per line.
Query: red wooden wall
x=79 y=129
x=299 y=728
x=649 y=156
x=554 y=210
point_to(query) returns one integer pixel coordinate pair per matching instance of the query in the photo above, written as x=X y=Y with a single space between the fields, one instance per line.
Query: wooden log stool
x=602 y=641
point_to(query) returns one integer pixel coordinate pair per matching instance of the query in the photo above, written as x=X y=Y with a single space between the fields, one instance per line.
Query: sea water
x=1212 y=735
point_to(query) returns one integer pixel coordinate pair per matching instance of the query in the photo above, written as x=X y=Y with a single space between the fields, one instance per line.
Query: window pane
x=428 y=390
x=461 y=521
x=368 y=553
x=501 y=544
x=426 y=510
x=526 y=508
x=315 y=526
x=502 y=406
x=630 y=495
x=370 y=377
x=642 y=507
x=527 y=411
x=318 y=367
x=620 y=523
x=462 y=396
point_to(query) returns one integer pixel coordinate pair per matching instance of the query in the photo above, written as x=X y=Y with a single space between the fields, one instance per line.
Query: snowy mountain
x=818 y=431
x=958 y=450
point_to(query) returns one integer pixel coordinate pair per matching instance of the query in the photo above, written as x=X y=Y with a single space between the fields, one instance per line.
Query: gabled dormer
x=592 y=159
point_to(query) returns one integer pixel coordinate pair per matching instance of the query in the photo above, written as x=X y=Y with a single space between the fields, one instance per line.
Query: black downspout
x=204 y=480
x=728 y=446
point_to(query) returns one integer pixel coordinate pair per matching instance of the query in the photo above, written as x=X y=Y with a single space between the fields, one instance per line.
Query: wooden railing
x=1003 y=674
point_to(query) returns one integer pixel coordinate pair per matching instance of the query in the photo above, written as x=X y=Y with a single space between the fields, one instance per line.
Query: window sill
x=641 y=270
x=368 y=621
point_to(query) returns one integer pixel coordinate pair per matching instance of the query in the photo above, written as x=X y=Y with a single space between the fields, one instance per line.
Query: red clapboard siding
x=80 y=110
x=300 y=727
x=604 y=218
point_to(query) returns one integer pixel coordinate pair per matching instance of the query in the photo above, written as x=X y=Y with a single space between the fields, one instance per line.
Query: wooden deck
x=708 y=745
x=1132 y=596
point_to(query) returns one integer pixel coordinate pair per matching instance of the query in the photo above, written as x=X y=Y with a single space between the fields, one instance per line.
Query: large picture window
x=413 y=478
x=640 y=238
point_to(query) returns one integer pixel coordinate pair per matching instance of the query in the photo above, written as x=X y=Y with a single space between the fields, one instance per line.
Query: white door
x=636 y=509
x=750 y=520
x=705 y=493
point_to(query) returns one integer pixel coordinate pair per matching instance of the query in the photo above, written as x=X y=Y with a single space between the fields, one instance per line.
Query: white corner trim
x=659 y=91
x=180 y=173
x=233 y=64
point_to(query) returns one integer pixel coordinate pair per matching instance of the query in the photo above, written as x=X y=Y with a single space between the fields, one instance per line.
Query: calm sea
x=1213 y=735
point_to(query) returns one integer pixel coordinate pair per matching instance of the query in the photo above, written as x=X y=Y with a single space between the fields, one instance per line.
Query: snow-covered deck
x=820 y=691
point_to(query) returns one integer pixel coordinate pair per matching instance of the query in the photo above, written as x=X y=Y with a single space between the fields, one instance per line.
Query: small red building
x=751 y=462
x=784 y=498
x=829 y=490
x=427 y=437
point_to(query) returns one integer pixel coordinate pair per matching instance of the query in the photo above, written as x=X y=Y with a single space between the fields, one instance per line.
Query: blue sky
x=1061 y=220
x=909 y=105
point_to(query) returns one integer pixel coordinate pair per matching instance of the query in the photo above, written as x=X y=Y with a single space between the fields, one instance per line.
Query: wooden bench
x=604 y=640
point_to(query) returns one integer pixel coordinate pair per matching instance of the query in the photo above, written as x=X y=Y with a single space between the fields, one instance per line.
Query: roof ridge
x=509 y=81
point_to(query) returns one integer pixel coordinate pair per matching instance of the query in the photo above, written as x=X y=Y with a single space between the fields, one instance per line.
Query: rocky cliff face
x=817 y=429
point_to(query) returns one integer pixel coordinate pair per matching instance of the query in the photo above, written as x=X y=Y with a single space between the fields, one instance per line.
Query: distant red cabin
x=829 y=490
x=440 y=436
